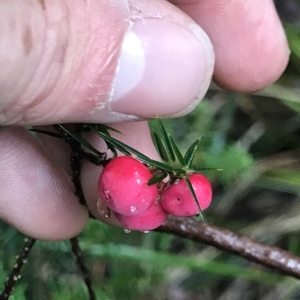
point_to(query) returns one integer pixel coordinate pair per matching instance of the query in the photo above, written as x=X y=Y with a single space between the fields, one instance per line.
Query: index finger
x=249 y=41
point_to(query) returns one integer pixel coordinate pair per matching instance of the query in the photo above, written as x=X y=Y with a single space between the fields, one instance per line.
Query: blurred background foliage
x=255 y=139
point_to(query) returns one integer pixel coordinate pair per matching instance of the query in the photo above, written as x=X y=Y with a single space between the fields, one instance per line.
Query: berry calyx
x=123 y=186
x=178 y=200
x=149 y=220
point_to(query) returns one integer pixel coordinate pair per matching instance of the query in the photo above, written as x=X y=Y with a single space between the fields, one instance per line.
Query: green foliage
x=234 y=162
x=160 y=261
x=282 y=180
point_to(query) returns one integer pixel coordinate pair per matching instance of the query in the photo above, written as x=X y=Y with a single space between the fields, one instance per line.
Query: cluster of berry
x=123 y=185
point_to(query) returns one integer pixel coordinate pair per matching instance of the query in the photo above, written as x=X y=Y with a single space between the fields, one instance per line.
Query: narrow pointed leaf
x=157 y=178
x=188 y=182
x=177 y=151
x=166 y=141
x=105 y=129
x=158 y=165
x=160 y=147
x=127 y=150
x=112 y=142
x=179 y=172
x=50 y=133
x=108 y=128
x=102 y=129
x=112 y=148
x=81 y=140
x=190 y=153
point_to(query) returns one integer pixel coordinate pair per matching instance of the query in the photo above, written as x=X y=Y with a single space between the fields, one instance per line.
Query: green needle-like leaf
x=188 y=182
x=127 y=150
x=157 y=178
x=50 y=133
x=81 y=140
x=177 y=151
x=102 y=127
x=160 y=147
x=105 y=129
x=166 y=141
x=190 y=153
x=112 y=148
x=111 y=141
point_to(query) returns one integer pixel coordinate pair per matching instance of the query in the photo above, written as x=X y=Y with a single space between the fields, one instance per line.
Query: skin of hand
x=108 y=61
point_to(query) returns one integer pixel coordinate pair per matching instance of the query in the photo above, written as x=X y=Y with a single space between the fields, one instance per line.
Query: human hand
x=111 y=61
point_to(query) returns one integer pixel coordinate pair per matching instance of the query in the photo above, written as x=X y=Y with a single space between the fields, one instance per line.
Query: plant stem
x=15 y=273
x=81 y=265
x=224 y=239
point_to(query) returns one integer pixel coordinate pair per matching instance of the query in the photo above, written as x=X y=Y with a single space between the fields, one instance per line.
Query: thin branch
x=75 y=163
x=77 y=154
x=75 y=160
x=81 y=265
x=15 y=273
x=223 y=239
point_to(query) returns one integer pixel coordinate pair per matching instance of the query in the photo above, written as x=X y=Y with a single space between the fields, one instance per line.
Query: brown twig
x=77 y=154
x=223 y=239
x=15 y=273
x=75 y=160
x=81 y=265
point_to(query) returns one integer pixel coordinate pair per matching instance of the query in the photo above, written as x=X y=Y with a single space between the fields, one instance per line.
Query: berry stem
x=75 y=160
x=15 y=273
x=81 y=265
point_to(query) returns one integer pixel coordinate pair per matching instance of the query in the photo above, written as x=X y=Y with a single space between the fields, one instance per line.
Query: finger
x=61 y=153
x=249 y=41
x=99 y=61
x=37 y=197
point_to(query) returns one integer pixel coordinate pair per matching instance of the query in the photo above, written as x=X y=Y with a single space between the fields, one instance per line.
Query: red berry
x=178 y=200
x=123 y=186
x=150 y=219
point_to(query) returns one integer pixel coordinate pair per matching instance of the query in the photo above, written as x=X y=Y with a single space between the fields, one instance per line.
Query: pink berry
x=178 y=200
x=150 y=219
x=123 y=186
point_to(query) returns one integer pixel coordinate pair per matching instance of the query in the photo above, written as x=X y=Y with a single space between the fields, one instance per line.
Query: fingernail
x=164 y=70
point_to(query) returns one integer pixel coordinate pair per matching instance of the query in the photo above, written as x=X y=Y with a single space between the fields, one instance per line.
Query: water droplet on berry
x=100 y=207
x=127 y=230
x=146 y=231
x=133 y=209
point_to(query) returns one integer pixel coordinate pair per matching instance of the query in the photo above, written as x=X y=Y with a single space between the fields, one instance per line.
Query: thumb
x=99 y=61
